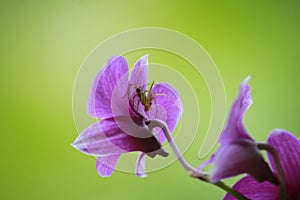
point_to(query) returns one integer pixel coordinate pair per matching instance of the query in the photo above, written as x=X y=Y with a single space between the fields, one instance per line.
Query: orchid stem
x=191 y=170
x=278 y=165
x=229 y=190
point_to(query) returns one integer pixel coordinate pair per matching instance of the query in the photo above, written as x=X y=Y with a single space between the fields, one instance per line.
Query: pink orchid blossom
x=123 y=125
x=238 y=152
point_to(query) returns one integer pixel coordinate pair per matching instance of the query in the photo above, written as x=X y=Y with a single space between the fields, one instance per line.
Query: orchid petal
x=106 y=138
x=120 y=95
x=140 y=165
x=235 y=129
x=99 y=102
x=106 y=165
x=239 y=152
x=240 y=157
x=138 y=79
x=288 y=149
x=142 y=139
x=168 y=104
x=251 y=189
x=211 y=160
x=93 y=141
x=139 y=74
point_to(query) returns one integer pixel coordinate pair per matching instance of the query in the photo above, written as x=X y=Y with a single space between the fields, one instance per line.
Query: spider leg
x=151 y=85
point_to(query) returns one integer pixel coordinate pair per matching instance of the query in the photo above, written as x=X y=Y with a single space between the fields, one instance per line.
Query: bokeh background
x=44 y=43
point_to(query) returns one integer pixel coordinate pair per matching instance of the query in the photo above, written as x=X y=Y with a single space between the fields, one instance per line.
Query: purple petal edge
x=235 y=129
x=139 y=74
x=106 y=138
x=250 y=188
x=99 y=101
x=288 y=149
x=93 y=141
x=106 y=165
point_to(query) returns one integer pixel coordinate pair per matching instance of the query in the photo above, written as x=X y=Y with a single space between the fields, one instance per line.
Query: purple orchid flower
x=238 y=152
x=288 y=149
x=123 y=127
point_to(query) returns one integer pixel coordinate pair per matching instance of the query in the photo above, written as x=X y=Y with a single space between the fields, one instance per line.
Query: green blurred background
x=43 y=45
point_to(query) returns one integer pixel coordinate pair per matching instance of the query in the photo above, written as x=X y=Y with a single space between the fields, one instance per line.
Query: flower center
x=143 y=97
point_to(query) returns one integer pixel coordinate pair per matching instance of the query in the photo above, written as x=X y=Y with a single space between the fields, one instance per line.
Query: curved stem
x=191 y=170
x=229 y=190
x=278 y=165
